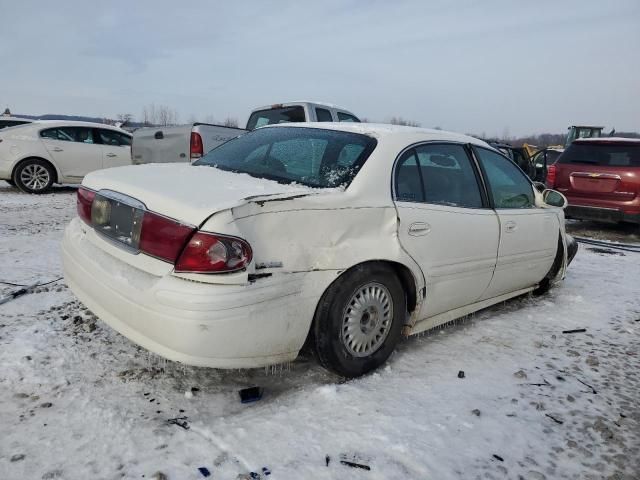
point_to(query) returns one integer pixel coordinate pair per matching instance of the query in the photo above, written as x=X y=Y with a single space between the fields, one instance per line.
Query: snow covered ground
x=79 y=401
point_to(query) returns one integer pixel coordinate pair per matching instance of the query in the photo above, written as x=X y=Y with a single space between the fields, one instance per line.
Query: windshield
x=610 y=154
x=275 y=115
x=309 y=156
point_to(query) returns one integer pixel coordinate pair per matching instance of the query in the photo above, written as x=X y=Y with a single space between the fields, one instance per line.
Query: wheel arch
x=407 y=278
x=35 y=157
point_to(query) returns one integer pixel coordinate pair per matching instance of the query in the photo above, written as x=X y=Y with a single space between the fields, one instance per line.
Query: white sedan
x=343 y=237
x=35 y=156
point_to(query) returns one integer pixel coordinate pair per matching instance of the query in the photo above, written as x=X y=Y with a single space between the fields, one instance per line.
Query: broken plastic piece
x=204 y=471
x=180 y=421
x=266 y=471
x=461 y=374
x=251 y=394
x=355 y=465
x=576 y=330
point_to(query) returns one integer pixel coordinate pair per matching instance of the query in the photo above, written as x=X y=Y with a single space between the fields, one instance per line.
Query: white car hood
x=185 y=192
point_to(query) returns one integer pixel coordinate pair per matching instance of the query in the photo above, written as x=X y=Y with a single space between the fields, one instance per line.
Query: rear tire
x=359 y=320
x=34 y=176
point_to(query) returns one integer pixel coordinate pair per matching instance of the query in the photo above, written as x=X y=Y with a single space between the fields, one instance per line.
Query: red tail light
x=197 y=149
x=176 y=243
x=84 y=200
x=208 y=252
x=552 y=172
x=162 y=237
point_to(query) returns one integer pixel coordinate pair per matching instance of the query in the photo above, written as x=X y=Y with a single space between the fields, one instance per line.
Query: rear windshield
x=309 y=156
x=604 y=154
x=275 y=115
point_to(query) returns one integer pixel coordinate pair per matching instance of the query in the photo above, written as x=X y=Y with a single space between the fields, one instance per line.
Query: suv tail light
x=208 y=252
x=84 y=200
x=197 y=149
x=552 y=172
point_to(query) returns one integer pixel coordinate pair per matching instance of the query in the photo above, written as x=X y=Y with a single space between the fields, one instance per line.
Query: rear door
x=445 y=224
x=74 y=150
x=116 y=148
x=528 y=234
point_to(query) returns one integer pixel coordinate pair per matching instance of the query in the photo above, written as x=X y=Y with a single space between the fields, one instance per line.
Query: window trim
x=480 y=182
x=474 y=148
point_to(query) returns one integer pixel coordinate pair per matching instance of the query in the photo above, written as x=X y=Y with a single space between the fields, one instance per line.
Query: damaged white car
x=346 y=237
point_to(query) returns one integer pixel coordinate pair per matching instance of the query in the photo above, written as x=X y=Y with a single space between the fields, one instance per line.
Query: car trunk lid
x=186 y=193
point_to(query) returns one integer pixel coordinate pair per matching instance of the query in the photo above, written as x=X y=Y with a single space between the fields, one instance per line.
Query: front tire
x=34 y=176
x=359 y=320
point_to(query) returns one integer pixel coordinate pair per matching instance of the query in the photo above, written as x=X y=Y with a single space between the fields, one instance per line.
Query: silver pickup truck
x=187 y=143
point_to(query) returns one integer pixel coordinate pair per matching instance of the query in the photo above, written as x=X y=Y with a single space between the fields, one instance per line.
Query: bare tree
x=159 y=115
x=231 y=122
x=124 y=118
x=403 y=121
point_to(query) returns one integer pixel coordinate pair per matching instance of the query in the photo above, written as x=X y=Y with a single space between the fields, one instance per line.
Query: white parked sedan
x=342 y=236
x=35 y=156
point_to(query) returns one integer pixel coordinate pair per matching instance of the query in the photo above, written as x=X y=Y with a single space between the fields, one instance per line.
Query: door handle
x=58 y=149
x=510 y=226
x=111 y=155
x=419 y=228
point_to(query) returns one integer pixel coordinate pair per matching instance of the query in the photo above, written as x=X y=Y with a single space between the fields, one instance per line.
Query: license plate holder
x=118 y=218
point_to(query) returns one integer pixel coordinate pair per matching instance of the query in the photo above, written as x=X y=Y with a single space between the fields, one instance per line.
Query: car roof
x=608 y=140
x=2 y=117
x=381 y=130
x=74 y=123
x=300 y=102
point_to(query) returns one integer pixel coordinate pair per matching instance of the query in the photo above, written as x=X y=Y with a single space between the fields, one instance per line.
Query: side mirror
x=555 y=199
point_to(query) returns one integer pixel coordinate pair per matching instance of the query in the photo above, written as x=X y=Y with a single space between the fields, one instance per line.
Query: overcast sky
x=490 y=67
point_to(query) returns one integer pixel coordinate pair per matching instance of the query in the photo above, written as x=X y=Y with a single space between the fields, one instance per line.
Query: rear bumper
x=601 y=214
x=212 y=325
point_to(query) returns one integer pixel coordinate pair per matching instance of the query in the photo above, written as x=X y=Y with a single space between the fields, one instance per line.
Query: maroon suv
x=601 y=179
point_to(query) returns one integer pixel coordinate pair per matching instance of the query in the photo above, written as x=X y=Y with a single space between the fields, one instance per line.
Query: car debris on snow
x=179 y=421
x=575 y=330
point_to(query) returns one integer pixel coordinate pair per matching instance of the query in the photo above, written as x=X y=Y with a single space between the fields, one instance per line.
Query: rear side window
x=509 y=187
x=604 y=154
x=69 y=134
x=109 y=137
x=275 y=115
x=323 y=115
x=345 y=117
x=440 y=174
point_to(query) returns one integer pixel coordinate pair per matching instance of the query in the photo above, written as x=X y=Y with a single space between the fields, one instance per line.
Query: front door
x=528 y=234
x=73 y=149
x=445 y=224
